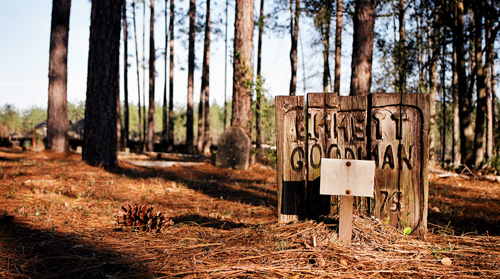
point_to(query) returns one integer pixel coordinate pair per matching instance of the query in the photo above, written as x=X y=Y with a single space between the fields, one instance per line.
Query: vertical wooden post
x=345 y=218
x=290 y=126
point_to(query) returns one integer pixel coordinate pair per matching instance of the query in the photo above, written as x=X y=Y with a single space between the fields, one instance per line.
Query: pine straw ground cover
x=58 y=220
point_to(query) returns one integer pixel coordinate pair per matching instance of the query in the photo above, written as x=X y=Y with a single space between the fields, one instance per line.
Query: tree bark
x=152 y=60
x=326 y=44
x=139 y=123
x=170 y=127
x=258 y=89
x=479 y=138
x=433 y=83
x=190 y=87
x=164 y=135
x=464 y=95
x=362 y=54
x=338 y=46
x=242 y=67
x=294 y=35
x=102 y=83
x=456 y=118
x=206 y=84
x=126 y=128
x=57 y=110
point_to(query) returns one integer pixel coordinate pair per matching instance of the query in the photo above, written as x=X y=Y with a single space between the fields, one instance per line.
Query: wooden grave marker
x=391 y=129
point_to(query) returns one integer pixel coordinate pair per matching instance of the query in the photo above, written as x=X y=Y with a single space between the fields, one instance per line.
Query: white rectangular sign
x=344 y=177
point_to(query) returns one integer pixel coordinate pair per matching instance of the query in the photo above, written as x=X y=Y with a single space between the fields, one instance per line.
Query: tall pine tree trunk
x=57 y=110
x=139 y=110
x=102 y=83
x=225 y=66
x=258 y=89
x=362 y=52
x=206 y=85
x=190 y=86
x=464 y=95
x=479 y=139
x=164 y=123
x=170 y=127
x=433 y=82
x=143 y=148
x=338 y=46
x=126 y=129
x=242 y=68
x=326 y=46
x=294 y=35
x=456 y=118
x=152 y=60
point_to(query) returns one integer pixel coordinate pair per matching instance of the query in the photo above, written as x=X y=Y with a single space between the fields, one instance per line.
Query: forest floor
x=58 y=220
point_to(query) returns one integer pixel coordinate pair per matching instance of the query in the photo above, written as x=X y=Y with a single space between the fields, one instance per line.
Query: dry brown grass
x=58 y=220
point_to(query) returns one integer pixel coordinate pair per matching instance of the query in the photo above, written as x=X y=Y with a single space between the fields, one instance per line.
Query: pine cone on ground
x=143 y=217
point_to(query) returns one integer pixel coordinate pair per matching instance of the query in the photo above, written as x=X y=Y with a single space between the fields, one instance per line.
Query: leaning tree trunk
x=258 y=89
x=152 y=60
x=190 y=86
x=57 y=110
x=139 y=123
x=125 y=133
x=338 y=46
x=362 y=52
x=170 y=127
x=294 y=35
x=464 y=95
x=479 y=138
x=206 y=83
x=99 y=138
x=242 y=67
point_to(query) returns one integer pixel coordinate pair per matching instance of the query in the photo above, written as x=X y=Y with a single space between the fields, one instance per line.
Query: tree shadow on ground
x=36 y=253
x=203 y=221
x=219 y=184
x=463 y=211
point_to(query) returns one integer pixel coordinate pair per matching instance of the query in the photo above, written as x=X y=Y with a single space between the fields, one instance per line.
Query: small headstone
x=233 y=149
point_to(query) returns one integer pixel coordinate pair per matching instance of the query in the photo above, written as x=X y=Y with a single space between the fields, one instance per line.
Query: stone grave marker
x=233 y=150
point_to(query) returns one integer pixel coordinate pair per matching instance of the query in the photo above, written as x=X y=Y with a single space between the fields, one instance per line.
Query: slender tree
x=433 y=79
x=294 y=36
x=57 y=110
x=338 y=46
x=258 y=89
x=143 y=147
x=190 y=86
x=242 y=65
x=225 y=66
x=164 y=133
x=152 y=60
x=139 y=110
x=456 y=120
x=170 y=127
x=99 y=136
x=206 y=83
x=479 y=135
x=126 y=129
x=362 y=51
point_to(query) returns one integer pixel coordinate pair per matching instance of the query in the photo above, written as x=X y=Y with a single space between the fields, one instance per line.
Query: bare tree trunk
x=326 y=49
x=57 y=110
x=102 y=83
x=126 y=128
x=243 y=73
x=294 y=35
x=118 y=121
x=433 y=84
x=479 y=139
x=164 y=135
x=206 y=85
x=152 y=60
x=464 y=97
x=170 y=127
x=362 y=54
x=258 y=89
x=143 y=148
x=139 y=109
x=402 y=56
x=189 y=113
x=338 y=46
x=456 y=118
x=443 y=108
x=225 y=66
